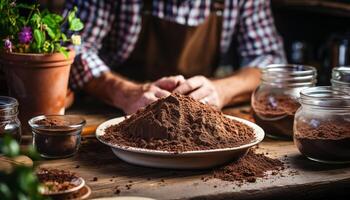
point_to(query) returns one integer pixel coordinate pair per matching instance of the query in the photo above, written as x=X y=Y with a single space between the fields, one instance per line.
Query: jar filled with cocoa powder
x=275 y=101
x=322 y=125
x=57 y=136
x=9 y=122
x=341 y=78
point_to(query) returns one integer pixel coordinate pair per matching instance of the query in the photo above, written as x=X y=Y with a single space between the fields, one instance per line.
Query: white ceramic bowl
x=184 y=160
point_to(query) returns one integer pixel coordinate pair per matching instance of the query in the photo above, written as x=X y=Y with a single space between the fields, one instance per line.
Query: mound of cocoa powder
x=56 y=180
x=179 y=123
x=275 y=114
x=324 y=140
x=248 y=168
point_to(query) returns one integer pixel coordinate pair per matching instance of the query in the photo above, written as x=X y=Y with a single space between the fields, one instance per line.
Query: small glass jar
x=341 y=78
x=9 y=122
x=275 y=101
x=322 y=125
x=56 y=136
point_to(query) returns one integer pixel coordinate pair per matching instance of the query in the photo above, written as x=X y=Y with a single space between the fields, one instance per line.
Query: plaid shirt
x=112 y=28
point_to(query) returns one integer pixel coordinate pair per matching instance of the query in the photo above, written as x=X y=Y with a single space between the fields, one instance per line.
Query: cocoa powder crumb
x=179 y=123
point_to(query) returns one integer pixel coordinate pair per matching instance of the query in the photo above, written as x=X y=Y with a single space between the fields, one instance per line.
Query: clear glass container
x=275 y=101
x=9 y=122
x=341 y=78
x=322 y=125
x=56 y=136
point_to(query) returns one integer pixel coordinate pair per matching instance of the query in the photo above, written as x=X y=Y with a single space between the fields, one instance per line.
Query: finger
x=189 y=85
x=200 y=93
x=149 y=97
x=170 y=83
x=159 y=93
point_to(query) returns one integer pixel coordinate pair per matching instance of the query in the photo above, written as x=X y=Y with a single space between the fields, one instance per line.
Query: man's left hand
x=202 y=89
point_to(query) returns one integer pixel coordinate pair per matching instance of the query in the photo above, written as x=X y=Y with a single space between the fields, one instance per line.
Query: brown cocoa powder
x=179 y=123
x=282 y=108
x=56 y=139
x=52 y=122
x=56 y=180
x=248 y=168
x=324 y=140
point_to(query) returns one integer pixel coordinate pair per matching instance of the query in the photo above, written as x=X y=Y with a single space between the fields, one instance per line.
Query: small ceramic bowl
x=78 y=183
x=56 y=136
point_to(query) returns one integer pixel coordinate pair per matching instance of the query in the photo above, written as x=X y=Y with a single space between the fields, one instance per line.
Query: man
x=168 y=41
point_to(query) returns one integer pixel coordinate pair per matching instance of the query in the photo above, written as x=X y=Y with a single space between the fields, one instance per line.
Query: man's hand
x=202 y=89
x=142 y=95
x=170 y=83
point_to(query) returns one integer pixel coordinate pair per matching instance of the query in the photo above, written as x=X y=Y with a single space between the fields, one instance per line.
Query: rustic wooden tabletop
x=109 y=176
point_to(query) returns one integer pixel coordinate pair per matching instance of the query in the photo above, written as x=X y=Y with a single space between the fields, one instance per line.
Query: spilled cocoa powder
x=324 y=140
x=275 y=114
x=179 y=123
x=248 y=168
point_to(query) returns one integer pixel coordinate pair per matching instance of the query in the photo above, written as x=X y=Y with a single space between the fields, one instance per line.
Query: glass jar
x=322 y=125
x=341 y=78
x=275 y=101
x=9 y=122
x=57 y=136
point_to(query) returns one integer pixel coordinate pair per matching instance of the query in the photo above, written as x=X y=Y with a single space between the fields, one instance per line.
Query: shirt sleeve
x=98 y=17
x=259 y=44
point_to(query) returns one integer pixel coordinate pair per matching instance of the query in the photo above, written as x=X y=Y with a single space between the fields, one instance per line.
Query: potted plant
x=34 y=57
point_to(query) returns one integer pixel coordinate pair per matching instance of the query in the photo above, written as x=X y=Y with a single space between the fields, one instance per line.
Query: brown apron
x=167 y=48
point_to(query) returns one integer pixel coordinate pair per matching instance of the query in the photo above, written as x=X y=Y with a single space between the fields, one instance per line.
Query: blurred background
x=315 y=32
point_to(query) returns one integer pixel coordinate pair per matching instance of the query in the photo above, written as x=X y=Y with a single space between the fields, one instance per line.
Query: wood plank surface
x=302 y=179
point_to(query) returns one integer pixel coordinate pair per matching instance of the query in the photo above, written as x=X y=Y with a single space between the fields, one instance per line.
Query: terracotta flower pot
x=38 y=81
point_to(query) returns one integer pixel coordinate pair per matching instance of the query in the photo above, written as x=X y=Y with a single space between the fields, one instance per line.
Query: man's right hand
x=147 y=93
x=129 y=96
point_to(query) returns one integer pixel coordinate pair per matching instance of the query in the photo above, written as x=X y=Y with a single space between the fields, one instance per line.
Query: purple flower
x=25 y=36
x=8 y=45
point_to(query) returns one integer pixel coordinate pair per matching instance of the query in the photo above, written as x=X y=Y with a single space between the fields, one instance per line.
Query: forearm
x=112 y=89
x=238 y=87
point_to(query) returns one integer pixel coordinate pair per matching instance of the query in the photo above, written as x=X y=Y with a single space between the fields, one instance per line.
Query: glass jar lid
x=289 y=75
x=8 y=107
x=328 y=97
x=341 y=76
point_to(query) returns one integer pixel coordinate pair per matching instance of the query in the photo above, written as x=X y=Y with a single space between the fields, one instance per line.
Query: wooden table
x=302 y=180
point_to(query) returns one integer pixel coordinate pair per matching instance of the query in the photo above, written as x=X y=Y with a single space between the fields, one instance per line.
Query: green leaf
x=64 y=51
x=5 y=191
x=58 y=19
x=10 y=147
x=39 y=38
x=64 y=37
x=76 y=25
x=26 y=6
x=49 y=21
x=51 y=33
x=35 y=20
x=71 y=14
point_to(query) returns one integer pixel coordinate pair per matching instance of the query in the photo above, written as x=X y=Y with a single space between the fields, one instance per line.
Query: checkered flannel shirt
x=112 y=28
